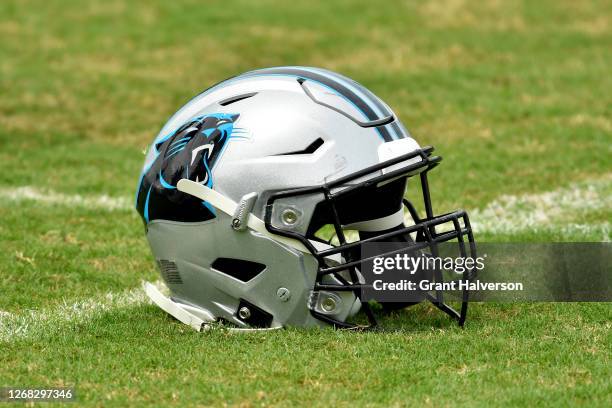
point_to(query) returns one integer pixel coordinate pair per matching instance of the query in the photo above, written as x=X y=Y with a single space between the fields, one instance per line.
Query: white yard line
x=102 y=202
x=36 y=323
x=551 y=210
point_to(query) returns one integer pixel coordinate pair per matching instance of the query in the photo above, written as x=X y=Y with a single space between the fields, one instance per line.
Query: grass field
x=516 y=96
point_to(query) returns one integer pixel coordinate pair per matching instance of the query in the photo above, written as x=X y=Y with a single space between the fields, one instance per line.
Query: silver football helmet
x=244 y=186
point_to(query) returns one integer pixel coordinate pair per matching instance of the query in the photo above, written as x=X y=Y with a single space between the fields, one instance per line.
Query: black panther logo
x=189 y=152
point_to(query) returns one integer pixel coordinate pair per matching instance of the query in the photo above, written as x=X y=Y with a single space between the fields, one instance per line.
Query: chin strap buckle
x=240 y=219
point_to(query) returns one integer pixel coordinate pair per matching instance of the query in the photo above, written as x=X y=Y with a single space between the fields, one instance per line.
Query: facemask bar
x=427 y=238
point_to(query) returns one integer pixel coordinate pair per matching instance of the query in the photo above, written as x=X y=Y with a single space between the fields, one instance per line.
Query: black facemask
x=357 y=200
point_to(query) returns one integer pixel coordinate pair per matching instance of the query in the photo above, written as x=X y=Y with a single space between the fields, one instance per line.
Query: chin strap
x=201 y=323
x=170 y=307
x=228 y=206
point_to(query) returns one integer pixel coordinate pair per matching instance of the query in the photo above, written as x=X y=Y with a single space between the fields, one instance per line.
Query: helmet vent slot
x=169 y=272
x=310 y=149
x=236 y=98
x=238 y=268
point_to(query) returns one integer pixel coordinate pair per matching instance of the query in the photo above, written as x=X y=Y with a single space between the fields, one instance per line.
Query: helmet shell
x=260 y=132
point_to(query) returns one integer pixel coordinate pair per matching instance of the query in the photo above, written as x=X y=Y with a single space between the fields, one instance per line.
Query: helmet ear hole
x=169 y=272
x=238 y=268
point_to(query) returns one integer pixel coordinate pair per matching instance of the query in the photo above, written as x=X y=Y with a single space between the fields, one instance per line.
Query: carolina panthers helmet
x=244 y=186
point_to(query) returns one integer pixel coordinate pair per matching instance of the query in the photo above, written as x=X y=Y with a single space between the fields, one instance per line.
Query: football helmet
x=258 y=194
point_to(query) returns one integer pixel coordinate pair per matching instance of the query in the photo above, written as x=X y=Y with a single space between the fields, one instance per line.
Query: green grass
x=514 y=95
x=504 y=358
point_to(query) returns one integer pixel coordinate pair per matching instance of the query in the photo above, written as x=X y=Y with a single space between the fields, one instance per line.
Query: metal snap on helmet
x=244 y=185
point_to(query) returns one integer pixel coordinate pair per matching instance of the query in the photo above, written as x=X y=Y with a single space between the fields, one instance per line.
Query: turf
x=514 y=95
